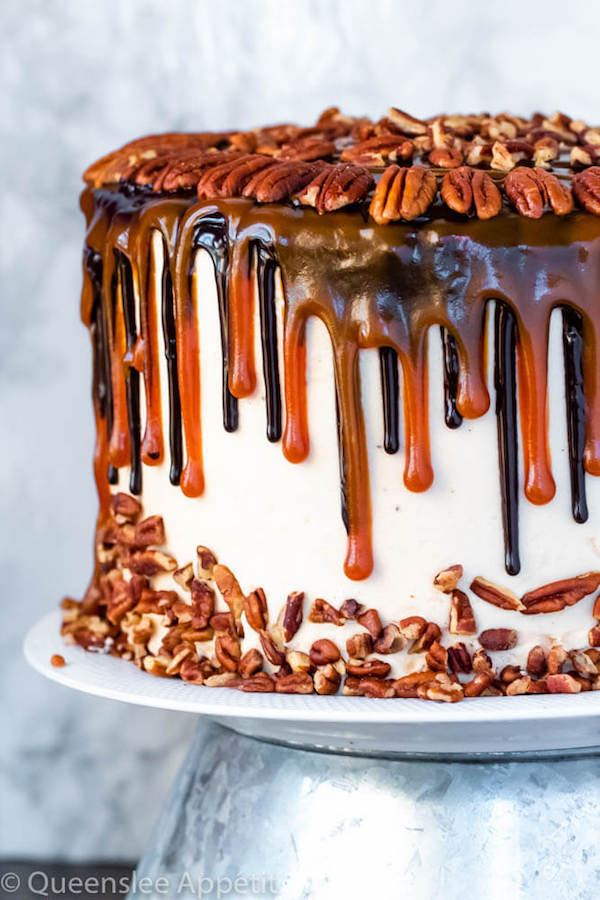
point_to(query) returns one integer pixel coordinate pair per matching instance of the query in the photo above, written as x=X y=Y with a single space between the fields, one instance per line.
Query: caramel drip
x=380 y=287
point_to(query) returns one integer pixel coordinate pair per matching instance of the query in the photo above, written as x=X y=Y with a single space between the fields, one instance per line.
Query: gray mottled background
x=82 y=777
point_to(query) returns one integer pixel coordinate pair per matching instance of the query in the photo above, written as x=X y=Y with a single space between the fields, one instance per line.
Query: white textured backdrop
x=81 y=777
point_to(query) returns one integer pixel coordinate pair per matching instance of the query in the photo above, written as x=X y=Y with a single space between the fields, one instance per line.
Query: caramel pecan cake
x=406 y=308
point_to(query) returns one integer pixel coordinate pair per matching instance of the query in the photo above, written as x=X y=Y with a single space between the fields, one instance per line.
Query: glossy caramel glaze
x=373 y=286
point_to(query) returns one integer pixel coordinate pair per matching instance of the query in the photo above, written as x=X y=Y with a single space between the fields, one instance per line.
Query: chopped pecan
x=334 y=187
x=479 y=153
x=151 y=562
x=376 y=151
x=403 y=194
x=205 y=562
x=57 y=661
x=584 y=156
x=461 y=620
x=447 y=580
x=298 y=661
x=223 y=622
x=377 y=688
x=327 y=680
x=256 y=609
x=350 y=609
x=274 y=654
x=203 y=604
x=557 y=657
x=322 y=611
x=447 y=693
x=191 y=671
x=371 y=668
x=405 y=123
x=505 y=156
x=324 y=651
x=250 y=663
x=230 y=590
x=296 y=683
x=586 y=187
x=292 y=615
x=150 y=531
x=407 y=685
x=155 y=665
x=530 y=190
x=568 y=592
x=359 y=645
x=223 y=679
x=478 y=685
x=562 y=684
x=594 y=636
x=437 y=657
x=431 y=634
x=582 y=663
x=459 y=658
x=510 y=673
x=590 y=136
x=495 y=594
x=412 y=627
x=596 y=608
x=519 y=685
x=227 y=651
x=544 y=151
x=125 y=507
x=495 y=639
x=389 y=641
x=370 y=620
x=184 y=576
x=536 y=661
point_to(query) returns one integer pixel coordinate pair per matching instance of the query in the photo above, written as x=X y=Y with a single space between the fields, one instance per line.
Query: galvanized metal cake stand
x=333 y=797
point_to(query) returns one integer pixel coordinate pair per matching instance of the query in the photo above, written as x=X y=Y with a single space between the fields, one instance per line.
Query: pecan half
x=334 y=187
x=470 y=191
x=461 y=620
x=371 y=668
x=447 y=580
x=446 y=158
x=586 y=187
x=280 y=181
x=530 y=190
x=296 y=683
x=370 y=620
x=495 y=594
x=323 y=651
x=261 y=683
x=403 y=194
x=495 y=639
x=566 y=593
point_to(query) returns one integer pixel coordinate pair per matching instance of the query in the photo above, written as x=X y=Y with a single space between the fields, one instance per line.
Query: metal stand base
x=293 y=824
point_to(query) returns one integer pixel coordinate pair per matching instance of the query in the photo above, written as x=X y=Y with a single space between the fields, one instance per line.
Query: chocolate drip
x=451 y=373
x=168 y=325
x=573 y=355
x=211 y=235
x=388 y=364
x=506 y=413
x=132 y=376
x=265 y=271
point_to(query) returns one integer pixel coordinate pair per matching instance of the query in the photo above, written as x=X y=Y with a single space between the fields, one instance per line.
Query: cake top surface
x=398 y=168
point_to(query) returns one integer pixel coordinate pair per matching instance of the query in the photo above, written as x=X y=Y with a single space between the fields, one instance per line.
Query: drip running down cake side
x=399 y=317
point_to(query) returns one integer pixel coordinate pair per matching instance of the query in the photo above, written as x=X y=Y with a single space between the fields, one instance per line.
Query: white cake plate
x=487 y=725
